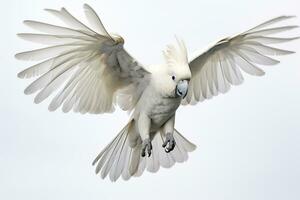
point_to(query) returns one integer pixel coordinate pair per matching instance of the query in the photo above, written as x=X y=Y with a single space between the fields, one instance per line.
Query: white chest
x=158 y=108
x=161 y=110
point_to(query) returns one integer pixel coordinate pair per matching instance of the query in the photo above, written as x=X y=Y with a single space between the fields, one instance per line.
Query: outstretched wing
x=91 y=67
x=219 y=67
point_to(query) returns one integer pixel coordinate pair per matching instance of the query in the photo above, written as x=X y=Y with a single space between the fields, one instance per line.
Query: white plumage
x=219 y=67
x=91 y=72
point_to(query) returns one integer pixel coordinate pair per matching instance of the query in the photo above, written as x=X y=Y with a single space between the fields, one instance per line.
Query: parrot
x=88 y=70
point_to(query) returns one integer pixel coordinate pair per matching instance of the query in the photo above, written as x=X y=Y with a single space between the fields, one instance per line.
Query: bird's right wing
x=91 y=67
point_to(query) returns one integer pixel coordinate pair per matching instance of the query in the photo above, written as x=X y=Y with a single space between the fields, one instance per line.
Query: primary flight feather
x=90 y=72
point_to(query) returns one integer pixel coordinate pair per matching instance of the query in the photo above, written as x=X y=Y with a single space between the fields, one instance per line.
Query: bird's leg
x=144 y=124
x=169 y=143
x=146 y=146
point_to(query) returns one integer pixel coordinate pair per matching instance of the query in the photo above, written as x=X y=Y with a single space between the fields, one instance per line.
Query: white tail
x=119 y=158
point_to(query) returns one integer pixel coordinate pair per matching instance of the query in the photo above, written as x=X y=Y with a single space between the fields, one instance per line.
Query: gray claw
x=169 y=143
x=146 y=146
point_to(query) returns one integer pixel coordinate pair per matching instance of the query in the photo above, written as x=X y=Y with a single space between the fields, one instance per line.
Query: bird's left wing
x=91 y=67
x=219 y=67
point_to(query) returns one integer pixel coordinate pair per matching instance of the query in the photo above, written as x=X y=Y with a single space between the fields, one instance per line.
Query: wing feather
x=270 y=31
x=67 y=18
x=217 y=68
x=269 y=40
x=87 y=68
x=267 y=50
x=53 y=39
x=94 y=20
x=54 y=29
x=270 y=22
x=43 y=53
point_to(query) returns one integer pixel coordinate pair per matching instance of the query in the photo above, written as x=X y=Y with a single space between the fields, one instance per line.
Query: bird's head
x=173 y=79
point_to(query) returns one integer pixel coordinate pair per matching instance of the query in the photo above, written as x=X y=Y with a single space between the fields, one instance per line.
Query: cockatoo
x=95 y=74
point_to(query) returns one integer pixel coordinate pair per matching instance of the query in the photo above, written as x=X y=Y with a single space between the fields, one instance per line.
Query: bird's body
x=157 y=107
x=96 y=74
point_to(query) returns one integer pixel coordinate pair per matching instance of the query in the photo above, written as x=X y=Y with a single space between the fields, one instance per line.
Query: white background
x=248 y=140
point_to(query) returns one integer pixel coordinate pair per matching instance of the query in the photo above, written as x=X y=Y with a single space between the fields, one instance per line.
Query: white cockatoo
x=95 y=74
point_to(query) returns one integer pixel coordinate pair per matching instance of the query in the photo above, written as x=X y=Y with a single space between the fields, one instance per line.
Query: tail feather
x=142 y=166
x=125 y=173
x=135 y=160
x=120 y=162
x=114 y=151
x=120 y=159
x=100 y=159
x=117 y=161
x=186 y=144
x=164 y=159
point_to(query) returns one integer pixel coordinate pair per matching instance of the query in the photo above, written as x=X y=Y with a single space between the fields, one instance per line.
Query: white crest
x=176 y=55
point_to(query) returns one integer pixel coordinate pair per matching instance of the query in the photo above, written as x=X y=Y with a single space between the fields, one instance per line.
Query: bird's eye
x=173 y=78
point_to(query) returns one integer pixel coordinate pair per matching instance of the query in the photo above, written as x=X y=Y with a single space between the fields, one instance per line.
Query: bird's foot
x=146 y=147
x=169 y=143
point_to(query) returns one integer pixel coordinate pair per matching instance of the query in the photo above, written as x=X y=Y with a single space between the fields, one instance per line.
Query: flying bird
x=90 y=71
